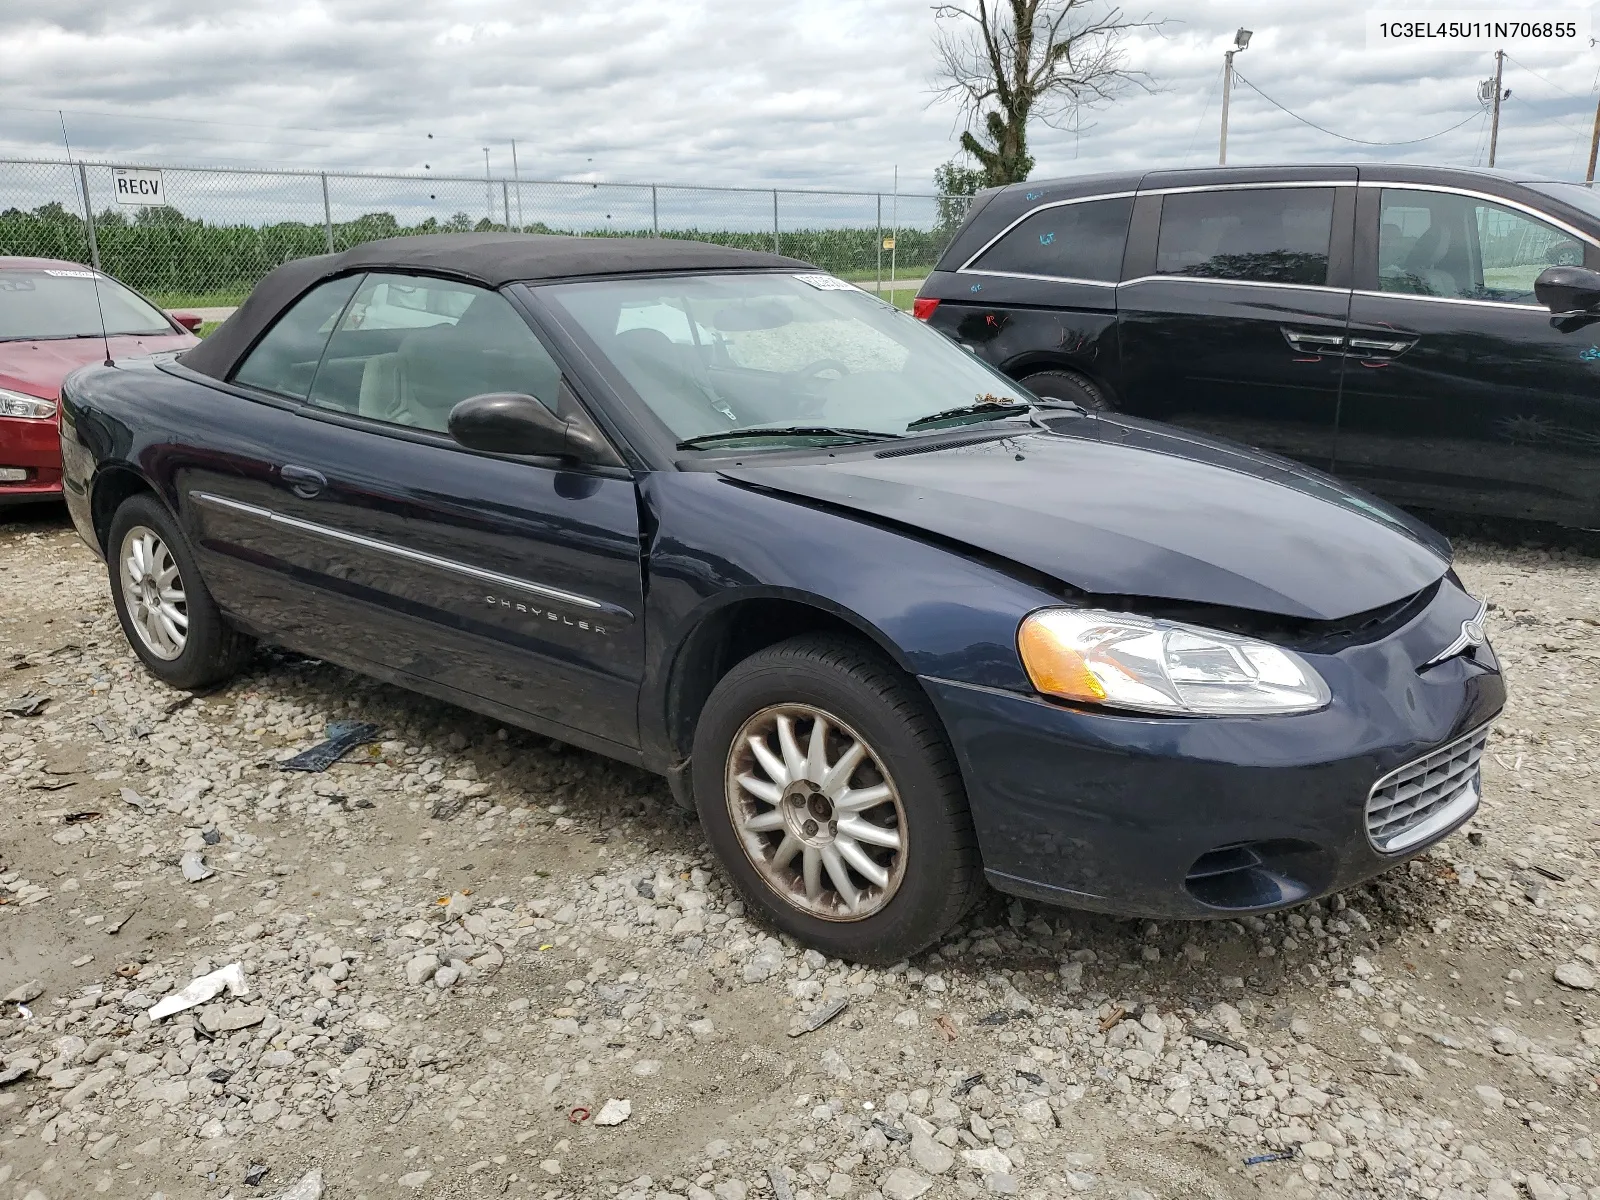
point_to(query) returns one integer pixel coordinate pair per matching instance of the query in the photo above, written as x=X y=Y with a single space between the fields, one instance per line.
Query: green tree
x=1007 y=62
x=957 y=184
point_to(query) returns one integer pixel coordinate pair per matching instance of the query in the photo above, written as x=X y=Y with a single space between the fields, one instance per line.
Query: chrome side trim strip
x=1244 y=187
x=401 y=552
x=1105 y=283
x=1259 y=283
x=1453 y=300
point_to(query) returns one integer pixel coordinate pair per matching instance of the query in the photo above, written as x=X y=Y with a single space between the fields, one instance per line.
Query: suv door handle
x=303 y=481
x=1313 y=343
x=1381 y=347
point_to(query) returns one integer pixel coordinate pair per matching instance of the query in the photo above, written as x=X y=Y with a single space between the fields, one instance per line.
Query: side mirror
x=511 y=423
x=1568 y=289
x=190 y=321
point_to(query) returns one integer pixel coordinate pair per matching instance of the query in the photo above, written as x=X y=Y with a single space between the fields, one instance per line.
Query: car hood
x=1121 y=507
x=38 y=368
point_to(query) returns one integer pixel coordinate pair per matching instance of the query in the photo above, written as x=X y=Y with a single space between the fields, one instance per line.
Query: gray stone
x=929 y=1155
x=240 y=1016
x=903 y=1183
x=1577 y=975
x=415 y=1179
x=763 y=964
x=614 y=1112
x=834 y=1066
x=23 y=993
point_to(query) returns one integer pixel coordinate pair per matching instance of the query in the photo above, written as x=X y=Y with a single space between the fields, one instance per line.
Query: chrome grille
x=1420 y=800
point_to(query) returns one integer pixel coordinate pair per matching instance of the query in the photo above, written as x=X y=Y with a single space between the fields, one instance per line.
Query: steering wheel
x=823 y=364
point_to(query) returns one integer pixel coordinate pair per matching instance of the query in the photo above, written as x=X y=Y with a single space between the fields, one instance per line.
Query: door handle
x=303 y=481
x=1381 y=347
x=1313 y=343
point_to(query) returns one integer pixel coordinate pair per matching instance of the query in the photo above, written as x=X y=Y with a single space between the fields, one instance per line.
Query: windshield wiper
x=855 y=435
x=987 y=409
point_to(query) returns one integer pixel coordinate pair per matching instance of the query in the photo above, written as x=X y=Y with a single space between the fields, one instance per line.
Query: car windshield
x=808 y=357
x=51 y=302
x=1579 y=196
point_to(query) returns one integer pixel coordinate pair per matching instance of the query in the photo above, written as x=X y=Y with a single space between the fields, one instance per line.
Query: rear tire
x=868 y=860
x=1066 y=385
x=167 y=615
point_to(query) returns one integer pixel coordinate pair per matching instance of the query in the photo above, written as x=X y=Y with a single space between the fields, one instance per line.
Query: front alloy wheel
x=152 y=589
x=817 y=814
x=827 y=787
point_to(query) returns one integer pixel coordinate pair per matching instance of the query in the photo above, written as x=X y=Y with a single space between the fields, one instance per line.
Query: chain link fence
x=217 y=231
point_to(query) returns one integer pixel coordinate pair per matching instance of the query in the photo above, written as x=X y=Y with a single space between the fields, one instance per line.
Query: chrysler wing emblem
x=1470 y=637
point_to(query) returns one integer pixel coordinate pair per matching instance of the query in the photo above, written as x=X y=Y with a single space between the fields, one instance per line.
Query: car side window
x=410 y=347
x=1260 y=235
x=1460 y=247
x=285 y=360
x=1068 y=241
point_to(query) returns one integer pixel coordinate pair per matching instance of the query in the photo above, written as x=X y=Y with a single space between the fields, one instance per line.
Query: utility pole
x=1494 y=128
x=1594 y=147
x=1241 y=41
x=488 y=186
x=517 y=175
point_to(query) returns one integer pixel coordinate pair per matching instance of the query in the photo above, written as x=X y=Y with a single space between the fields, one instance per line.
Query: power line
x=1557 y=120
x=1536 y=75
x=1343 y=137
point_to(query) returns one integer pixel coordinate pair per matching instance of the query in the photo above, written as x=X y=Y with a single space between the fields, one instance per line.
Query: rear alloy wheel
x=152 y=590
x=827 y=788
x=167 y=613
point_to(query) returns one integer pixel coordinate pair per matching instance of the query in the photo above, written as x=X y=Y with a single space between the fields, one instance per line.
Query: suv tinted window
x=1443 y=244
x=1265 y=235
x=409 y=348
x=1069 y=241
x=285 y=360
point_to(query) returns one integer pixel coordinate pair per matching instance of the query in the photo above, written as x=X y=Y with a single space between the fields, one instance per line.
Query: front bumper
x=34 y=446
x=1146 y=817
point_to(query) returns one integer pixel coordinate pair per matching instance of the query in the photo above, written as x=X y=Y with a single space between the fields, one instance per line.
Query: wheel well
x=1021 y=370
x=114 y=485
x=726 y=638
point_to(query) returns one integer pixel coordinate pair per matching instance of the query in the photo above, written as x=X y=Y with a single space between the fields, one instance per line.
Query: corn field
x=215 y=237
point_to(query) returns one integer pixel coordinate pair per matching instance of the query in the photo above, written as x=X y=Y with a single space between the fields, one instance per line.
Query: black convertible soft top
x=489 y=259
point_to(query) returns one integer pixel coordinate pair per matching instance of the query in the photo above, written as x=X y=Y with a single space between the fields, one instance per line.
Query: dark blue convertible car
x=891 y=623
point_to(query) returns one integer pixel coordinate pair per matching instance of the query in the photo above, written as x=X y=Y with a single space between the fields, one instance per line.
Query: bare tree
x=1009 y=61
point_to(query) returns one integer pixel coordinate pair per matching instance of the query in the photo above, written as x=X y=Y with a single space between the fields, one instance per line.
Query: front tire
x=167 y=615
x=827 y=788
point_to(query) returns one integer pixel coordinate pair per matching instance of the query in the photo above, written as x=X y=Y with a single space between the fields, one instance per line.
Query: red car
x=50 y=324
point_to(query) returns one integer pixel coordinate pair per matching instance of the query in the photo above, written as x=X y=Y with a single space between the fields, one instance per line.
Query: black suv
x=1429 y=333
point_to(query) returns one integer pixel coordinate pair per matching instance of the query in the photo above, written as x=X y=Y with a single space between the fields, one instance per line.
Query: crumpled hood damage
x=1122 y=507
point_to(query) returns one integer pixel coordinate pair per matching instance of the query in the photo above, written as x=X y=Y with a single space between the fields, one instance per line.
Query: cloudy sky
x=800 y=93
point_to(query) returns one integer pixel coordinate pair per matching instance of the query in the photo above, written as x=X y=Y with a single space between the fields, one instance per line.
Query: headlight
x=1120 y=660
x=15 y=404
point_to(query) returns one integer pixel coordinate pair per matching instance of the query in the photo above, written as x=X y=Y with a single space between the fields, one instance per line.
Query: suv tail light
x=922 y=307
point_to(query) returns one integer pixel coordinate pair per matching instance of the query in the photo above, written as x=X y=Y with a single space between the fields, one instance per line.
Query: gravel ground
x=470 y=949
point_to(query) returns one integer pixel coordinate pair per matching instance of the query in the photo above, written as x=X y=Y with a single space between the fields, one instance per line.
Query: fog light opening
x=1257 y=875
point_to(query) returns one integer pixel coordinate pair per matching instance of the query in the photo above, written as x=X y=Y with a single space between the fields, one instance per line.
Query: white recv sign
x=138 y=187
